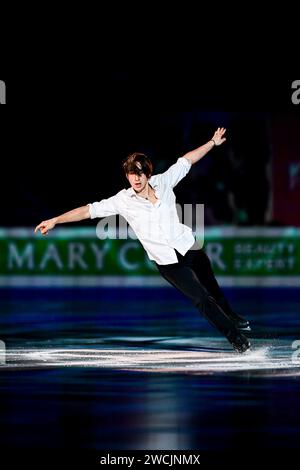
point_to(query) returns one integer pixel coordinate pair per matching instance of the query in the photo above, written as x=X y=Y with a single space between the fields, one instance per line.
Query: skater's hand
x=45 y=226
x=218 y=136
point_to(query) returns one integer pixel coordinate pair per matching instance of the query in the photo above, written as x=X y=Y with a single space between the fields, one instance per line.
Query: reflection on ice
x=172 y=355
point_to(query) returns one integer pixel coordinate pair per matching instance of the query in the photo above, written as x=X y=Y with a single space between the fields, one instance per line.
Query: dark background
x=64 y=136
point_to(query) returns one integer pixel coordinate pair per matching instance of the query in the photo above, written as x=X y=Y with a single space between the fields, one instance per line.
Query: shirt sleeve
x=104 y=208
x=176 y=172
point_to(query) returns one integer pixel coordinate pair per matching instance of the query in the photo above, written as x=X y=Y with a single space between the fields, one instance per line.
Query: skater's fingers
x=38 y=227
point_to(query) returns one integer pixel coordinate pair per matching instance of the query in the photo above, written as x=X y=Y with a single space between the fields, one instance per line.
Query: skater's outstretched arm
x=218 y=139
x=75 y=215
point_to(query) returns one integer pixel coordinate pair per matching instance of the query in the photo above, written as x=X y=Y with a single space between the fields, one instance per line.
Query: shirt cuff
x=92 y=211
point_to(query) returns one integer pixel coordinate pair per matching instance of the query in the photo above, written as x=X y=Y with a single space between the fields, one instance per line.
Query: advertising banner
x=76 y=257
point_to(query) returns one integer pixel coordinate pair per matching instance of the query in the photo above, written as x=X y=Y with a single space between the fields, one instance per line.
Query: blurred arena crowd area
x=252 y=180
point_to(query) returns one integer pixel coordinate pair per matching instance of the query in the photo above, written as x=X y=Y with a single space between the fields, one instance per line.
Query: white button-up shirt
x=156 y=225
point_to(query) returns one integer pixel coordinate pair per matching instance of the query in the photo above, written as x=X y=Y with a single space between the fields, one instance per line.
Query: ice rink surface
x=209 y=355
x=117 y=373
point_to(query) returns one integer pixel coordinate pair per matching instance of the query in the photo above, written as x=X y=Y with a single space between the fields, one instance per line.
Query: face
x=138 y=182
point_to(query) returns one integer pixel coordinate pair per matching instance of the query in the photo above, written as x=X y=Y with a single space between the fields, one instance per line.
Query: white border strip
x=211 y=232
x=256 y=281
x=139 y=281
x=81 y=281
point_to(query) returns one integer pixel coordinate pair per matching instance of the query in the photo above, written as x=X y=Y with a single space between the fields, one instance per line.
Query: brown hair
x=138 y=163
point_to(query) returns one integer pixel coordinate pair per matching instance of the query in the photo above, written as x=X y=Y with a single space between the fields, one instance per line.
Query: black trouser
x=194 y=277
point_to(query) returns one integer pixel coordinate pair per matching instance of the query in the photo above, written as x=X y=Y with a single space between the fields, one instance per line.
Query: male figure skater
x=149 y=208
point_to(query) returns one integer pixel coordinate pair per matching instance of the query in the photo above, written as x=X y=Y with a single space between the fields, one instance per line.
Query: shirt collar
x=131 y=191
